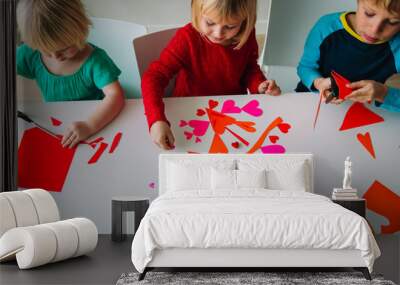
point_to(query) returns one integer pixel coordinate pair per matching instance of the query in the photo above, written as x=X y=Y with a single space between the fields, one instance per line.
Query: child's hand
x=366 y=91
x=269 y=87
x=76 y=132
x=162 y=135
x=324 y=86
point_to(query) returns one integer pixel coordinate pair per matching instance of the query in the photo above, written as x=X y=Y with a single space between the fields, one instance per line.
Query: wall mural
x=122 y=160
x=52 y=162
x=220 y=122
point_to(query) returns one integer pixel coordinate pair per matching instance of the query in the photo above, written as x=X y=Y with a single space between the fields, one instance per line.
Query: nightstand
x=357 y=205
x=121 y=204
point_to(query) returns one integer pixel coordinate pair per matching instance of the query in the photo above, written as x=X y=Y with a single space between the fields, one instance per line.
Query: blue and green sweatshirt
x=333 y=45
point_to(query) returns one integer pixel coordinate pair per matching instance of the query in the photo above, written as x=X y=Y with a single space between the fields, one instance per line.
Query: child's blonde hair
x=51 y=25
x=393 y=6
x=225 y=10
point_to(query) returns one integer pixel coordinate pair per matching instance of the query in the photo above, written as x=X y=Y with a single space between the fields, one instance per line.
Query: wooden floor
x=111 y=259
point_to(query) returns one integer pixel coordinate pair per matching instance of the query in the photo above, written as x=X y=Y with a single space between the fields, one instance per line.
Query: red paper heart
x=200 y=112
x=212 y=103
x=198 y=140
x=273 y=139
x=235 y=144
x=284 y=127
x=365 y=140
x=188 y=135
x=182 y=123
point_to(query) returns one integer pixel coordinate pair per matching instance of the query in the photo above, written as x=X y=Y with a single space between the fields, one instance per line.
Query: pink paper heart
x=182 y=123
x=230 y=107
x=188 y=135
x=199 y=127
x=251 y=108
x=152 y=185
x=275 y=148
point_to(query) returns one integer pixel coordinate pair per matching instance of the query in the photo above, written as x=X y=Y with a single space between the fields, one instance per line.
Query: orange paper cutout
x=358 y=115
x=317 y=112
x=263 y=136
x=366 y=141
x=384 y=202
x=217 y=145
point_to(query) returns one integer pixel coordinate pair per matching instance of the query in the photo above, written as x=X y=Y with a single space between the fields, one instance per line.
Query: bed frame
x=242 y=259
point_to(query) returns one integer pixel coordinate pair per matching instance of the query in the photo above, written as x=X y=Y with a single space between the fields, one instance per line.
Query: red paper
x=55 y=122
x=358 y=116
x=42 y=161
x=365 y=140
x=115 y=142
x=384 y=202
x=98 y=153
x=341 y=83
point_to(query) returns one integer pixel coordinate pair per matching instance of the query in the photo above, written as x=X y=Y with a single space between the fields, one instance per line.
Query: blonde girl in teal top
x=64 y=65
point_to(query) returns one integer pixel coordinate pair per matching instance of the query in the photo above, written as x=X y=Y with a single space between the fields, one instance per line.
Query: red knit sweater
x=202 y=68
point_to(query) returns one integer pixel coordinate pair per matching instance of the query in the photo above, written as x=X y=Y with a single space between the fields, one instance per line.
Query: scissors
x=339 y=89
x=25 y=117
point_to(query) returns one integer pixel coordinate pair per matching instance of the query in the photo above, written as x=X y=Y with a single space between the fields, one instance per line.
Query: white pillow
x=189 y=175
x=251 y=178
x=225 y=179
x=281 y=174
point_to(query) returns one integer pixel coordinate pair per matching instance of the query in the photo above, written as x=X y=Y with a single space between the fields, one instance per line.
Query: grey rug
x=243 y=278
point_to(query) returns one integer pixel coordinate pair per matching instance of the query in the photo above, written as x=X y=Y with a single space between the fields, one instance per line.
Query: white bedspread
x=250 y=219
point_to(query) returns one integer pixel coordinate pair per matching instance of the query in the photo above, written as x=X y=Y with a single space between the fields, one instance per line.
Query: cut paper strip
x=365 y=140
x=318 y=109
x=55 y=122
x=358 y=116
x=266 y=132
x=252 y=109
x=238 y=137
x=200 y=127
x=98 y=153
x=229 y=106
x=95 y=141
x=273 y=148
x=115 y=142
x=247 y=126
x=42 y=161
x=217 y=145
x=192 y=152
x=383 y=201
x=273 y=139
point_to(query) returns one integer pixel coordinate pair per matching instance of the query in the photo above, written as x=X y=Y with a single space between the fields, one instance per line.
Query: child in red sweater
x=215 y=54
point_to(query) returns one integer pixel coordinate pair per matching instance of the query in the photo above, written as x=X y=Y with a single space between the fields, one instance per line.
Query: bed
x=246 y=211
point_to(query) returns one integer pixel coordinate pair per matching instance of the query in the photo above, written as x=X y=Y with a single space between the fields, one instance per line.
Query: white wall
x=290 y=22
x=157 y=14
